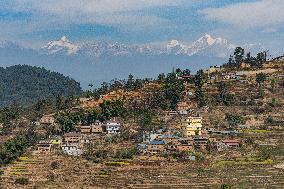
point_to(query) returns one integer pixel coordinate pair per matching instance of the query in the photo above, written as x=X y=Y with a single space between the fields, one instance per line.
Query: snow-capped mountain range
x=205 y=46
x=96 y=62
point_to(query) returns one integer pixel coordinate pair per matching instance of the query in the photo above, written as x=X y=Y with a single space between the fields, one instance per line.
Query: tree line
x=240 y=57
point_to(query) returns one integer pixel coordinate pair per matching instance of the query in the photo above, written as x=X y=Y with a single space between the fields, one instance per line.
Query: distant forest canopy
x=24 y=85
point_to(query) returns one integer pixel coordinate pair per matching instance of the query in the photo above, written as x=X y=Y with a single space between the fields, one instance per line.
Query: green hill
x=24 y=85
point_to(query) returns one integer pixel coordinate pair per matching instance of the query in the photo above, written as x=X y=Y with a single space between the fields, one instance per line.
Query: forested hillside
x=24 y=84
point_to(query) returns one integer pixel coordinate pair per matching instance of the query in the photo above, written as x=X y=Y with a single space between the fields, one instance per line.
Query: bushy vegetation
x=225 y=186
x=239 y=57
x=126 y=153
x=7 y=115
x=234 y=119
x=224 y=96
x=199 y=81
x=22 y=181
x=269 y=152
x=111 y=109
x=54 y=165
x=26 y=84
x=129 y=84
x=15 y=147
x=173 y=89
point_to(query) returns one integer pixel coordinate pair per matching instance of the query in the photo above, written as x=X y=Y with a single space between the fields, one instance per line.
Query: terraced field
x=238 y=169
x=76 y=173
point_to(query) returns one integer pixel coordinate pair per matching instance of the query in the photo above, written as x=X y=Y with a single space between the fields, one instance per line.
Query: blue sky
x=34 y=22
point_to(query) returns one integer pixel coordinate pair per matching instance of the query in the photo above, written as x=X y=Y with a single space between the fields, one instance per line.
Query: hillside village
x=181 y=128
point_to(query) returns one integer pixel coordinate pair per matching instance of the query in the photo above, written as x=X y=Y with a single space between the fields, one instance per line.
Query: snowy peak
x=175 y=47
x=209 y=46
x=60 y=46
x=204 y=46
x=172 y=44
x=207 y=39
x=64 y=39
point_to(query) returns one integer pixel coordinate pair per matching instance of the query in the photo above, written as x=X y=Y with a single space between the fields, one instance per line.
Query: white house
x=113 y=127
x=71 y=149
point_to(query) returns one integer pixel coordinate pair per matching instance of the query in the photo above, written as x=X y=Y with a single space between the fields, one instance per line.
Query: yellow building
x=56 y=141
x=191 y=126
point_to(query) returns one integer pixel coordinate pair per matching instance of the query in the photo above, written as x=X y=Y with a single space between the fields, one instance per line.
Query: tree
x=146 y=120
x=273 y=83
x=104 y=88
x=90 y=117
x=224 y=96
x=68 y=120
x=111 y=109
x=223 y=90
x=66 y=124
x=231 y=62
x=63 y=102
x=199 y=81
x=116 y=84
x=159 y=100
x=234 y=119
x=274 y=102
x=239 y=55
x=7 y=116
x=13 y=148
x=178 y=71
x=130 y=82
x=261 y=58
x=186 y=72
x=260 y=78
x=161 y=77
x=270 y=120
x=173 y=88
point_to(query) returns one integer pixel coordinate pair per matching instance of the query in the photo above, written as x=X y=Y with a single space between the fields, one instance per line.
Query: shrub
x=266 y=152
x=22 y=181
x=270 y=120
x=54 y=165
x=225 y=186
x=234 y=119
x=126 y=153
x=274 y=102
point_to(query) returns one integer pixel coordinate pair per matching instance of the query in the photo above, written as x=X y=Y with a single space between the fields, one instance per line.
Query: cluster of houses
x=70 y=144
x=73 y=143
x=190 y=137
x=108 y=127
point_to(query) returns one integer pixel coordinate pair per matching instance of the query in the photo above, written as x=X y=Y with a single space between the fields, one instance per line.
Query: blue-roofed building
x=156 y=146
x=170 y=138
x=150 y=136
